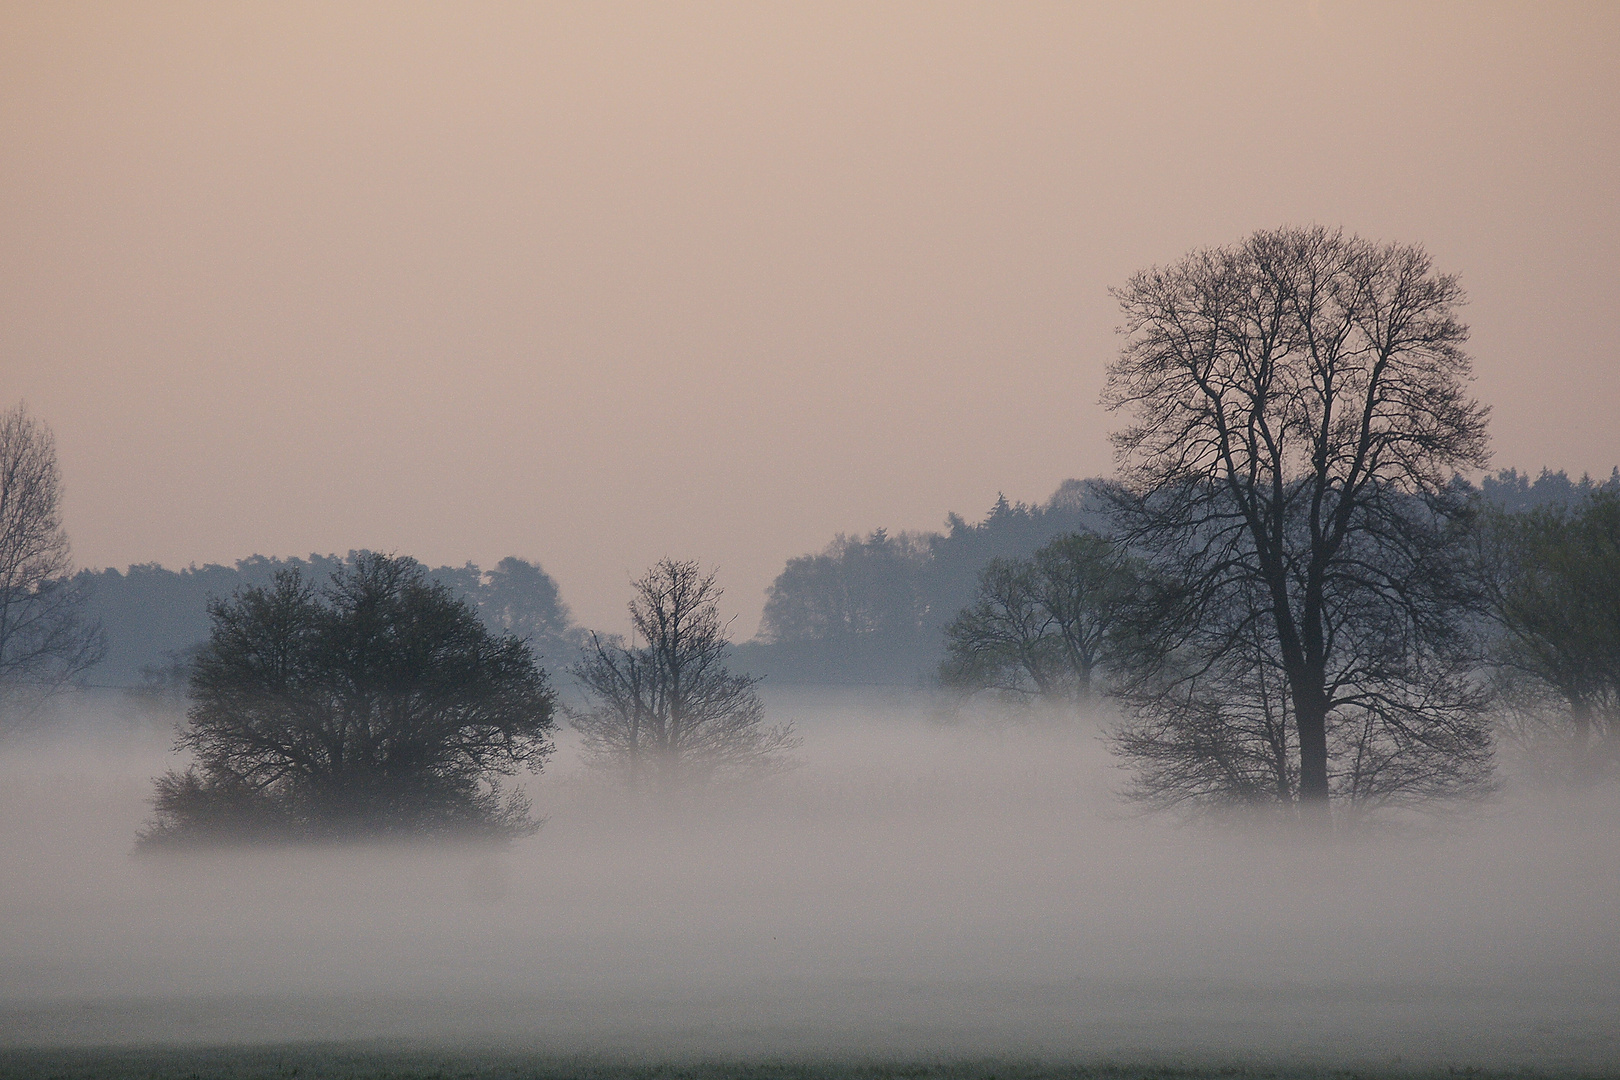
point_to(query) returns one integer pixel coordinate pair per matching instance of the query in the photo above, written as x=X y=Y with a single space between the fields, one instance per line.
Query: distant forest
x=154 y=618
x=865 y=610
x=871 y=610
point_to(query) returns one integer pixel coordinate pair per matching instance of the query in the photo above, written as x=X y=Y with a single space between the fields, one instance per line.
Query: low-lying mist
x=914 y=887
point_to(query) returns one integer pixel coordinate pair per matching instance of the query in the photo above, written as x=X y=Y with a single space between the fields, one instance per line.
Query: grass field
x=359 y=1062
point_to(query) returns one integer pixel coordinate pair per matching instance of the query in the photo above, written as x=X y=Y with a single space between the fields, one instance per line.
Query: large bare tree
x=44 y=639
x=667 y=714
x=1298 y=410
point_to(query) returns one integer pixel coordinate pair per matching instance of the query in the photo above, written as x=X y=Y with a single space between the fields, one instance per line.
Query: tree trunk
x=1310 y=712
x=1584 y=764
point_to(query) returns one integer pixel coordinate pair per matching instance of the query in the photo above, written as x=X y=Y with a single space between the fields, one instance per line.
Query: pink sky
x=599 y=283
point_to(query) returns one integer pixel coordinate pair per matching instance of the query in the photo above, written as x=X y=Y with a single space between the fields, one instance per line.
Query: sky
x=598 y=283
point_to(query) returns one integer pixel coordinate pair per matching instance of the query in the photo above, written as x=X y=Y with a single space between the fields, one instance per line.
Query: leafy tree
x=520 y=598
x=1556 y=602
x=377 y=705
x=853 y=588
x=1010 y=530
x=667 y=714
x=45 y=641
x=1299 y=409
x=1039 y=627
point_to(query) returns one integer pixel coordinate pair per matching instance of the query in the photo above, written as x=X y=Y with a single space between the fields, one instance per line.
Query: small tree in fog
x=377 y=705
x=44 y=638
x=667 y=714
x=1554 y=578
x=1039 y=627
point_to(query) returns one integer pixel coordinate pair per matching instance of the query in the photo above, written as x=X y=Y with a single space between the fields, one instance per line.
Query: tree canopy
x=152 y=614
x=855 y=587
x=1555 y=587
x=873 y=609
x=377 y=705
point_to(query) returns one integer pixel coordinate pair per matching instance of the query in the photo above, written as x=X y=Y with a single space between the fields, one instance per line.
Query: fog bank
x=916 y=887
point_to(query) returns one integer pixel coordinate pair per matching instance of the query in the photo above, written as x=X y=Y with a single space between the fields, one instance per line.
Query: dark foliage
x=873 y=610
x=152 y=614
x=379 y=705
x=519 y=598
x=855 y=588
x=1512 y=491
x=1010 y=530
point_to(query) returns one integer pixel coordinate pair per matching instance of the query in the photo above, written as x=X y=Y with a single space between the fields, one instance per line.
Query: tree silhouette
x=44 y=638
x=666 y=714
x=377 y=705
x=1040 y=627
x=1298 y=411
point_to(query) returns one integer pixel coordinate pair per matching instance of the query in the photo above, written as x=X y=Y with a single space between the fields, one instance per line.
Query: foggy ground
x=915 y=888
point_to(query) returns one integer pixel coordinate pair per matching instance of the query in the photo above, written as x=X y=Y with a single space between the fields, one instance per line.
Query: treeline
x=865 y=610
x=379 y=704
x=1515 y=492
x=872 y=610
x=382 y=703
x=154 y=619
x=878 y=609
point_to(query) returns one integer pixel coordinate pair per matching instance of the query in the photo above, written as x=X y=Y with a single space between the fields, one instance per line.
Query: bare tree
x=1039 y=627
x=1299 y=411
x=1001 y=641
x=44 y=639
x=1211 y=720
x=667 y=714
x=1206 y=730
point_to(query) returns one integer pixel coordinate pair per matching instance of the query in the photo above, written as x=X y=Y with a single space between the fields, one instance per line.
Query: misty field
x=1058 y=539
x=966 y=896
